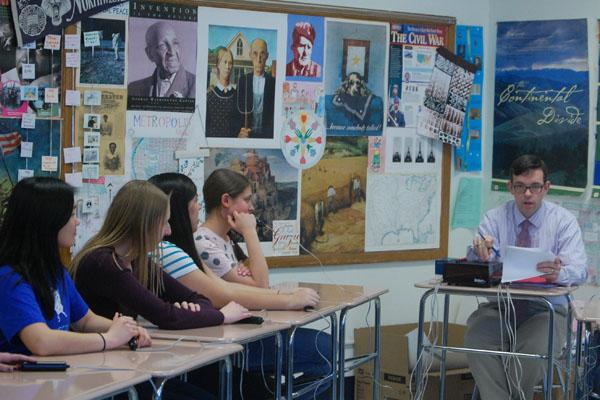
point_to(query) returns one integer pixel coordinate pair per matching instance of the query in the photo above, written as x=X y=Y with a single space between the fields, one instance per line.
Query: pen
x=496 y=252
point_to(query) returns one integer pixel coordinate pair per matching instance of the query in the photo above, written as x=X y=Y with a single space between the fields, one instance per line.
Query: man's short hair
x=526 y=163
x=303 y=29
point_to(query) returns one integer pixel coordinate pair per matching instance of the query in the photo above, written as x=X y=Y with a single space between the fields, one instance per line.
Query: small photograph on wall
x=305 y=42
x=355 y=77
x=103 y=51
x=109 y=128
x=243 y=83
x=163 y=45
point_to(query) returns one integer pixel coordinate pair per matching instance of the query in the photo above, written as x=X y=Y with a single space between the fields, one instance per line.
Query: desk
x=333 y=298
x=586 y=315
x=166 y=361
x=532 y=294
x=346 y=365
x=295 y=320
x=73 y=384
x=231 y=333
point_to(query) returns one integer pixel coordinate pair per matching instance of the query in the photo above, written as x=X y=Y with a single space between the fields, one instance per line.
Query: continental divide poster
x=541 y=100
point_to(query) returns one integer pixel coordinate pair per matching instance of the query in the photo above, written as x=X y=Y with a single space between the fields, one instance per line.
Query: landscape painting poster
x=541 y=100
x=275 y=191
x=334 y=198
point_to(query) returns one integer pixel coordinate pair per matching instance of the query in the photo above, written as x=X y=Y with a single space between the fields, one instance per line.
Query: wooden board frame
x=330 y=12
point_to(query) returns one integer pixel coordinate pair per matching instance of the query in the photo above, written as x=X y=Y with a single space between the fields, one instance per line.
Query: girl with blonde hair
x=118 y=269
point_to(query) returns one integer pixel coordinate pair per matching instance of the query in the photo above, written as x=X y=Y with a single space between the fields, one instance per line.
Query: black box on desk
x=473 y=273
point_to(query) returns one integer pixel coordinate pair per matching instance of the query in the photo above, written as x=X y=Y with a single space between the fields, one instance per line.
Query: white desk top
x=333 y=298
x=528 y=291
x=75 y=383
x=297 y=318
x=165 y=360
x=232 y=333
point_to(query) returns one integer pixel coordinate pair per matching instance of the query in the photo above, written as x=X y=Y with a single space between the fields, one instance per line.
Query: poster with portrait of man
x=162 y=41
x=305 y=42
x=355 y=77
x=242 y=83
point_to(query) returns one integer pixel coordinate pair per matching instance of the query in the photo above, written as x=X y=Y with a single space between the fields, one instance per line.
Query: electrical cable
x=422 y=384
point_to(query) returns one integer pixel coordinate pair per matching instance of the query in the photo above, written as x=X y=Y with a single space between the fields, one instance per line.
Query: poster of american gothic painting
x=541 y=100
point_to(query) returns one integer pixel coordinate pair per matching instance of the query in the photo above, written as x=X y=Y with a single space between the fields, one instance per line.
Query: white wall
x=400 y=305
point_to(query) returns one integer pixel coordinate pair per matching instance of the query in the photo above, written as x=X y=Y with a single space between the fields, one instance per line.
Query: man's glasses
x=534 y=188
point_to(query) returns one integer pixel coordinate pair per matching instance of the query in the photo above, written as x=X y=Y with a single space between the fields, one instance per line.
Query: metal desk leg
x=334 y=355
x=289 y=375
x=550 y=371
x=377 y=349
x=569 y=360
x=341 y=365
x=444 y=343
x=418 y=372
x=586 y=358
x=225 y=379
x=578 y=356
x=158 y=386
x=132 y=394
x=278 y=364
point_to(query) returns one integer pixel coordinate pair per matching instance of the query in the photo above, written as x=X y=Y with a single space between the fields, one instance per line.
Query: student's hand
x=233 y=312
x=143 y=338
x=244 y=133
x=303 y=297
x=242 y=270
x=121 y=331
x=242 y=222
x=187 y=306
x=10 y=362
x=483 y=248
x=551 y=269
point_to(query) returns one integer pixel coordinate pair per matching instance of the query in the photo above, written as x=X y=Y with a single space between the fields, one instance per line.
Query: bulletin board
x=369 y=191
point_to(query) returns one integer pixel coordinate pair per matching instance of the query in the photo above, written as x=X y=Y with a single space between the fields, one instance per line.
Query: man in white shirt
x=526 y=221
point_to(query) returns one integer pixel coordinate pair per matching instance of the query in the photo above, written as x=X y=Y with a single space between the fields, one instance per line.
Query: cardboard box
x=458 y=387
x=396 y=365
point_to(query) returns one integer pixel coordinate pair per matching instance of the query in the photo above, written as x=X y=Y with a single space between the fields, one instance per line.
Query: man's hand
x=244 y=133
x=483 y=247
x=551 y=269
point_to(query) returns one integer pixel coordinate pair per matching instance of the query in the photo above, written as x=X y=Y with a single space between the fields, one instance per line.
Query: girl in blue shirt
x=40 y=309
